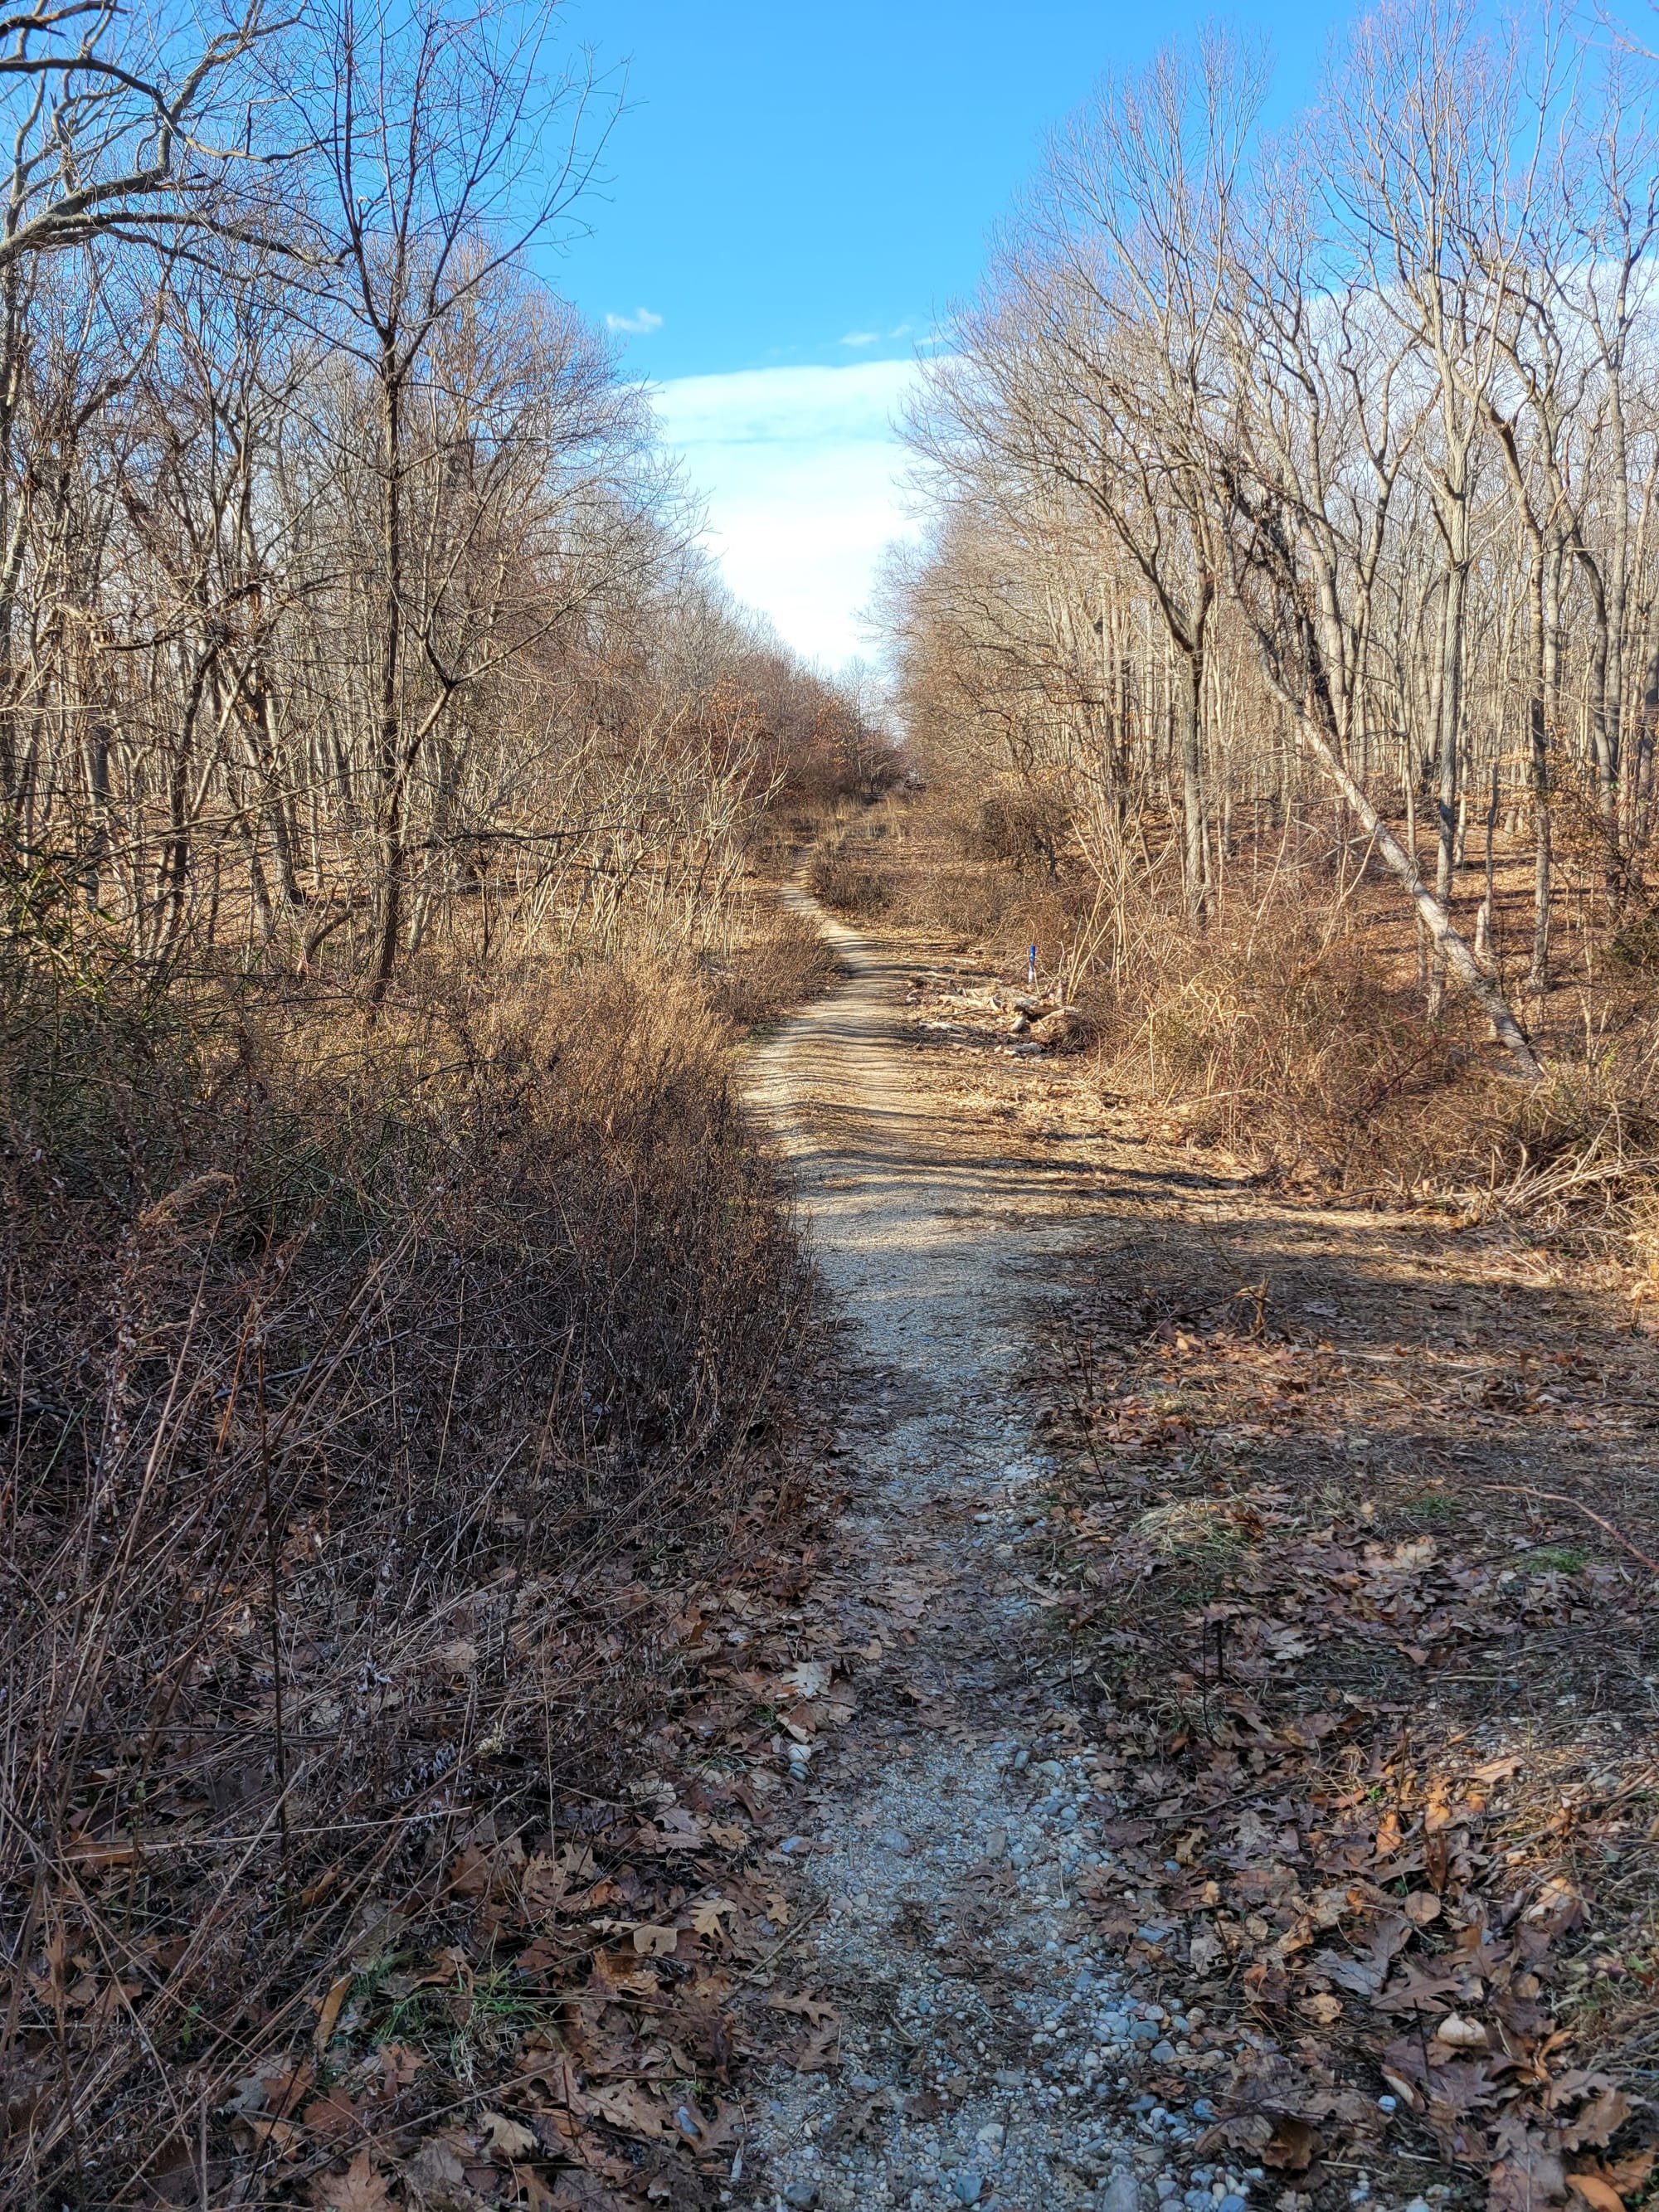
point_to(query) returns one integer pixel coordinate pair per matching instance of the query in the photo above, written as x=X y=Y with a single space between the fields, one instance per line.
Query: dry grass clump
x=941 y=876
x=964 y=900
x=848 y=885
x=784 y=961
x=348 y=1372
x=1024 y=826
x=1284 y=1045
x=1578 y=1156
x=1287 y=1042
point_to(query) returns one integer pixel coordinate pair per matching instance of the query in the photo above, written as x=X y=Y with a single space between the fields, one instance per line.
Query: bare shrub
x=1019 y=825
x=1577 y=1158
x=1285 y=1045
x=1290 y=1043
x=1010 y=910
x=964 y=901
x=783 y=961
x=848 y=885
x=347 y=1371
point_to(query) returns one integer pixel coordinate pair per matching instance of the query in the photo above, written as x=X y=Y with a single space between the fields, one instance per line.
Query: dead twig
x=1560 y=1498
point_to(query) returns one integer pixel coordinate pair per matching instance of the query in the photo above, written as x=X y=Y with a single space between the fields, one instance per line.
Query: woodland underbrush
x=372 y=1393
x=1284 y=1045
x=1291 y=1030
x=916 y=868
x=1360 y=1518
x=839 y=879
x=1299 y=1045
x=782 y=961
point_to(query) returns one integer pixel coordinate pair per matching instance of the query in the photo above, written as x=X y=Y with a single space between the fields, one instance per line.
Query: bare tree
x=1368 y=414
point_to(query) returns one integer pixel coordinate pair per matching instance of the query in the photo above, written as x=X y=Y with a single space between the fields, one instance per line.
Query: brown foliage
x=783 y=961
x=1378 y=1742
x=848 y=884
x=353 y=1378
x=1283 y=1041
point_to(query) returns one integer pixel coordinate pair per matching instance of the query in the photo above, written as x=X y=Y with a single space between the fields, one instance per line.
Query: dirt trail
x=1382 y=1476
x=982 y=2029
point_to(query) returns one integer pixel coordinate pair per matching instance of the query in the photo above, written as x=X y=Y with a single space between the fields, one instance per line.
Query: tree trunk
x=1185 y=677
x=1450 y=705
x=389 y=748
x=1453 y=948
x=1538 y=768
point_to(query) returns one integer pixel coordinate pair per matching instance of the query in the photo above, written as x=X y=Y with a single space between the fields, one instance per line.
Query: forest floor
x=1223 y=1777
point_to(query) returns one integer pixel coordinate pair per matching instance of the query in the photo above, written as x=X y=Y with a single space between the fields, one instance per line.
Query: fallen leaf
x=277 y=2091
x=1600 y=2196
x=284 y=2136
x=1327 y=1906
x=1527 y=2179
x=1495 y=1770
x=1598 y=2120
x=632 y=2111
x=1206 y=1951
x=725 y=2129
x=817 y=2009
x=329 y=2011
x=398 y=2067
x=816 y=2052
x=1293 y=2145
x=1557 y=1907
x=652 y=1942
x=436 y=2168
x=510 y=2137
x=1417 y=1986
x=1364 y=1975
x=677 y=1830
x=337 y=2117
x=359 y=2189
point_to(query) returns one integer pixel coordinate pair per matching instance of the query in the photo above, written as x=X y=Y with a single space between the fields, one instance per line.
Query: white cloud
x=801 y=469
x=639 y=324
x=861 y=337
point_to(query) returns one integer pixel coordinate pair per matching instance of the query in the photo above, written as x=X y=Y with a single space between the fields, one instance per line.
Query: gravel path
x=987 y=2050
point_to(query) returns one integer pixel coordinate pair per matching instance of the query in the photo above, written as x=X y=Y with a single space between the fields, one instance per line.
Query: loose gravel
x=990 y=2051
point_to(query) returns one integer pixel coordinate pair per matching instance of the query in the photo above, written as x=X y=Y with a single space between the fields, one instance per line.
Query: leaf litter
x=1314 y=1633
x=545 y=1998
x=592 y=2009
x=1378 y=1771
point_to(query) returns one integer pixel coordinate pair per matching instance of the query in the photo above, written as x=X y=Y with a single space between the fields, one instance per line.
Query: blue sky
x=793 y=196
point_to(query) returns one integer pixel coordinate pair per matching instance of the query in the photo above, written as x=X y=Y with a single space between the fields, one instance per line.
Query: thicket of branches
x=1314 y=473
x=345 y=603
x=384 y=1263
